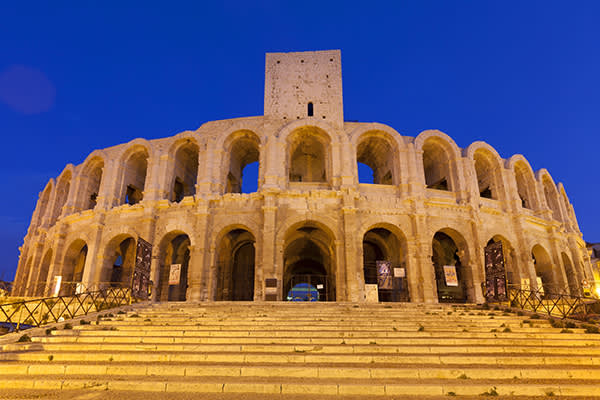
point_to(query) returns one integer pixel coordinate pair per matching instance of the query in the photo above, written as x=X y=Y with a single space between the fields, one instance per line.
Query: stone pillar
x=37 y=255
x=341 y=293
x=156 y=184
x=267 y=242
x=110 y=186
x=413 y=272
x=94 y=261
x=354 y=282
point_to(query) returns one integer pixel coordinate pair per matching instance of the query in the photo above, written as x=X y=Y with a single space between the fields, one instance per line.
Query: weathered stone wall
x=310 y=208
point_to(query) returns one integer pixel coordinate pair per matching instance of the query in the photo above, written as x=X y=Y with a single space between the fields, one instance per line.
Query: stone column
x=267 y=241
x=198 y=271
x=354 y=282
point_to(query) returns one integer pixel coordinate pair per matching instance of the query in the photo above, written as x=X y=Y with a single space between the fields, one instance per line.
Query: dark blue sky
x=523 y=76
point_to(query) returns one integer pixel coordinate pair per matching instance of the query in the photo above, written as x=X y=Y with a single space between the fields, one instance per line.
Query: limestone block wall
x=309 y=214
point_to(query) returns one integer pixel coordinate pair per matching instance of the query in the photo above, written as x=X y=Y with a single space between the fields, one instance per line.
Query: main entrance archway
x=308 y=264
x=235 y=267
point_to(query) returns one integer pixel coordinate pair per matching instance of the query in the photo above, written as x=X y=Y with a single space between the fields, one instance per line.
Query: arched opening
x=134 y=176
x=572 y=278
x=308 y=148
x=43 y=203
x=453 y=278
x=377 y=153
x=73 y=265
x=235 y=267
x=525 y=184
x=90 y=179
x=551 y=195
x=436 y=165
x=546 y=281
x=120 y=261
x=308 y=265
x=185 y=173
x=41 y=284
x=244 y=155
x=174 y=266
x=486 y=172
x=62 y=192
x=513 y=275
x=384 y=265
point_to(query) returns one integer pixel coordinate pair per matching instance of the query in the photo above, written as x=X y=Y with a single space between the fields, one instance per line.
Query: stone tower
x=304 y=84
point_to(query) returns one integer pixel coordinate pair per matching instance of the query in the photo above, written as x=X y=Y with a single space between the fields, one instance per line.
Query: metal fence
x=37 y=312
x=553 y=303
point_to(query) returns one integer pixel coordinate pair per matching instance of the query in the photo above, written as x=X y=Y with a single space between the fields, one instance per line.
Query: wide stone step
x=14 y=369
x=301 y=357
x=299 y=347
x=304 y=386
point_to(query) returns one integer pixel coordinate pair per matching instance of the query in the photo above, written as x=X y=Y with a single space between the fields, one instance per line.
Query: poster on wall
x=450 y=275
x=399 y=272
x=384 y=275
x=141 y=273
x=174 y=274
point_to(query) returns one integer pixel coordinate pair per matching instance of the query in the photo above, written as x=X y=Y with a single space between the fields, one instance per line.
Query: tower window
x=310 y=109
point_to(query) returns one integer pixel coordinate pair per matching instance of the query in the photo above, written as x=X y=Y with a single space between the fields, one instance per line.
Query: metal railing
x=553 y=303
x=27 y=314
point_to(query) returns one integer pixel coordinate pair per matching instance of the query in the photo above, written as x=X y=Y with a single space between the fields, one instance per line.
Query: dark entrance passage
x=308 y=265
x=307 y=282
x=450 y=274
x=382 y=265
x=235 y=267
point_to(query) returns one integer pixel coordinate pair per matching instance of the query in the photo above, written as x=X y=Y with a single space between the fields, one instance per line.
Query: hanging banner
x=174 y=274
x=57 y=283
x=495 y=273
x=141 y=273
x=384 y=275
x=450 y=275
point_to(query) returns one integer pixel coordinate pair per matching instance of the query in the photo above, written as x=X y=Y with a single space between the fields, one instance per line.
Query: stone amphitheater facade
x=431 y=203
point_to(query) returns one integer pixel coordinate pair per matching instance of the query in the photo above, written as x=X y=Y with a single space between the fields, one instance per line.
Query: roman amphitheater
x=312 y=225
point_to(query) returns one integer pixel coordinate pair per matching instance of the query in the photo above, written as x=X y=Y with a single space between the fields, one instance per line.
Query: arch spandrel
x=287 y=227
x=474 y=147
x=224 y=229
x=446 y=141
x=334 y=136
x=385 y=131
x=180 y=140
x=224 y=138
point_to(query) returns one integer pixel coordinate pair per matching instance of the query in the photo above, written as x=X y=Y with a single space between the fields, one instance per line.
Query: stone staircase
x=303 y=350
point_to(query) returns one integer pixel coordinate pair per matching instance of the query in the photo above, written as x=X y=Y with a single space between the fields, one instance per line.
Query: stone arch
x=385 y=242
x=40 y=285
x=63 y=185
x=21 y=288
x=309 y=263
x=309 y=155
x=119 y=261
x=379 y=151
x=449 y=248
x=185 y=169
x=174 y=248
x=545 y=270
x=135 y=168
x=44 y=201
x=439 y=156
x=511 y=261
x=73 y=265
x=235 y=264
x=488 y=169
x=571 y=273
x=90 y=179
x=569 y=216
x=241 y=148
x=526 y=184
x=550 y=193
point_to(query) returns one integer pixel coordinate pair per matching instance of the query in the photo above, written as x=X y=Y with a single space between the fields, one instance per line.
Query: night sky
x=523 y=76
